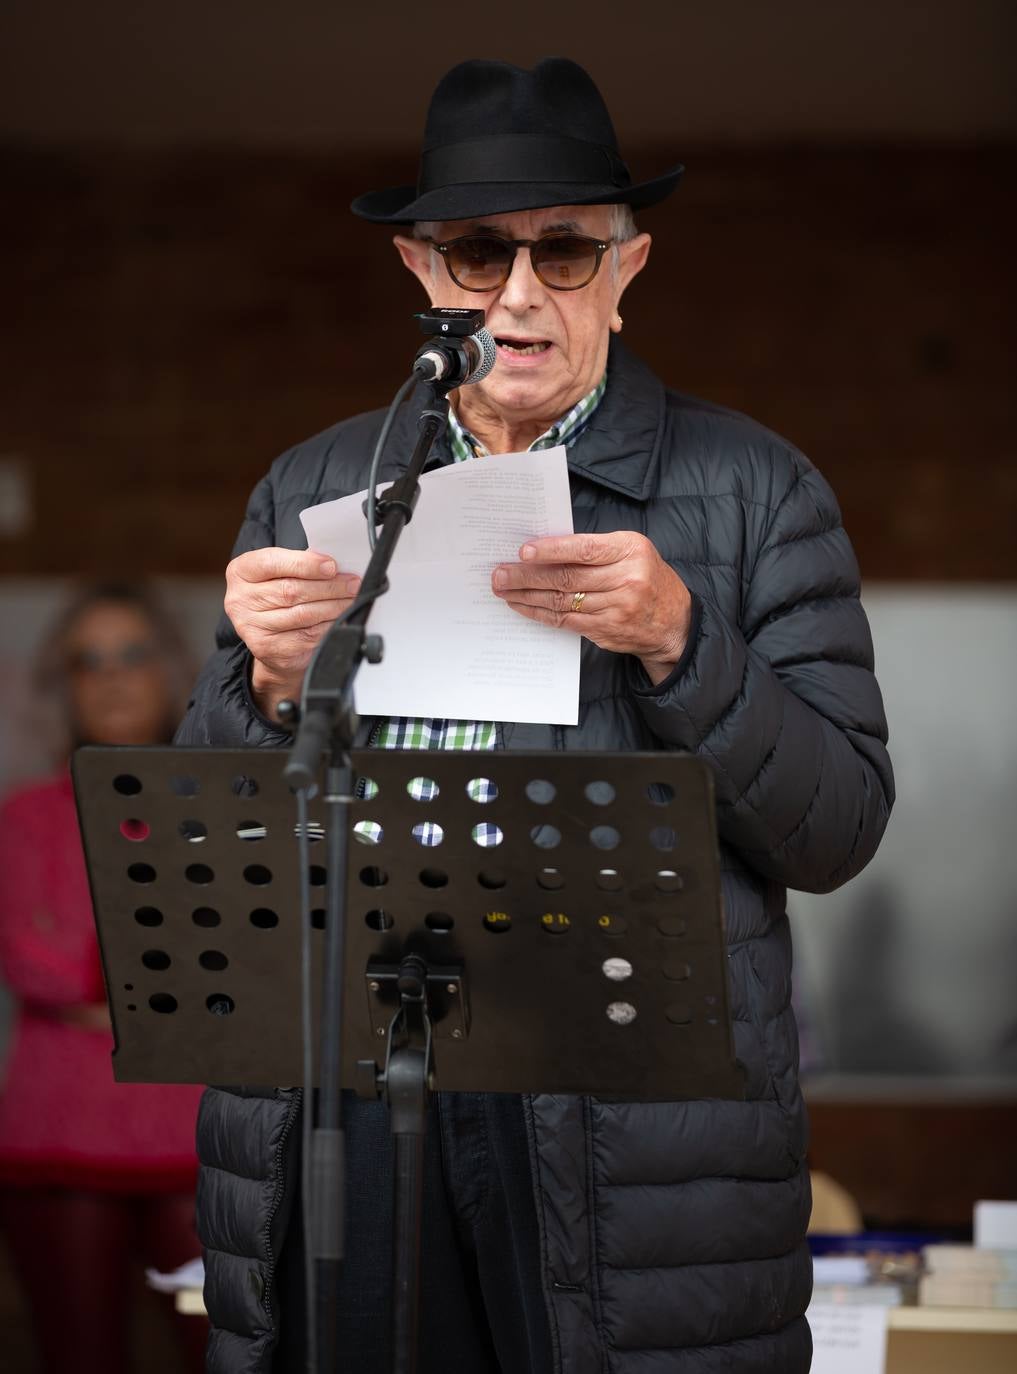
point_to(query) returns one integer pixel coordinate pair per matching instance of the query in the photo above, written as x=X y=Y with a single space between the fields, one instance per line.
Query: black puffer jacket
x=676 y=1228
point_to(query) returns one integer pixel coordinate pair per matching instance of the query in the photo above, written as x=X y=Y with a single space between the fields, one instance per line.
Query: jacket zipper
x=294 y=1110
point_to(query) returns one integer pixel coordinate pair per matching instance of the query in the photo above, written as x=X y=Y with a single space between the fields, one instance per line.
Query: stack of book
x=967 y=1276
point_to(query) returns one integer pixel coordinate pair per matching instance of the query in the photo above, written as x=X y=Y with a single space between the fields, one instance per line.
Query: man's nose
x=523 y=288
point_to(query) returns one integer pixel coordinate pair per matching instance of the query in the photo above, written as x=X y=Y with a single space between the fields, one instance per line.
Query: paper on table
x=848 y=1338
x=453 y=650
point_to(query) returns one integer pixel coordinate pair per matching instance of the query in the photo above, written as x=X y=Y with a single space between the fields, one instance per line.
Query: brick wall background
x=175 y=317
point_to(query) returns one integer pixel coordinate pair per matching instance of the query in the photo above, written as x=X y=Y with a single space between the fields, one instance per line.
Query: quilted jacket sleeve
x=785 y=705
x=221 y=711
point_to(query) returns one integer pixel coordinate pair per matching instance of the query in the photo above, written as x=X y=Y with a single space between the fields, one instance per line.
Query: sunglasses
x=483 y=262
x=134 y=655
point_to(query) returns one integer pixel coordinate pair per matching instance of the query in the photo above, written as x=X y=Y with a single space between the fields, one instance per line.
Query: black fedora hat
x=547 y=140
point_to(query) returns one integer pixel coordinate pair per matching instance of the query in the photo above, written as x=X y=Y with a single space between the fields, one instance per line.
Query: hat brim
x=402 y=205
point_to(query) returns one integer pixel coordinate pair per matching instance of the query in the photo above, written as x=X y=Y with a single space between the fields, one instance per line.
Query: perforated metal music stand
x=583 y=953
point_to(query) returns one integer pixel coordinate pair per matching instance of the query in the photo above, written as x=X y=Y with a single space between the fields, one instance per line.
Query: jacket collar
x=618 y=449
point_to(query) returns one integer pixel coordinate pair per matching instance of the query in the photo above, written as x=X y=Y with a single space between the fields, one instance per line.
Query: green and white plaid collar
x=564 y=431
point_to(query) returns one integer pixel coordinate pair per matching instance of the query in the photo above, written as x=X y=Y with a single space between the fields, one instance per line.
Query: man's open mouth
x=521 y=347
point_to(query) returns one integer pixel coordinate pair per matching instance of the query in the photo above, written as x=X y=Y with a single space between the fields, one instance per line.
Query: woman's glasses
x=482 y=262
x=138 y=654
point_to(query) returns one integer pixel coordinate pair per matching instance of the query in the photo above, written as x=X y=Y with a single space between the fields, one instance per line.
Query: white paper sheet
x=848 y=1338
x=452 y=648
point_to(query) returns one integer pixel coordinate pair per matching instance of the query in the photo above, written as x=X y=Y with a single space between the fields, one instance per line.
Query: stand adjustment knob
x=374 y=648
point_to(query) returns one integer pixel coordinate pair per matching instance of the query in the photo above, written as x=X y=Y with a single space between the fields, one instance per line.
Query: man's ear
x=633 y=255
x=416 y=256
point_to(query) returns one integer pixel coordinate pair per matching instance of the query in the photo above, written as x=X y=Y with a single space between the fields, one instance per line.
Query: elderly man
x=717 y=597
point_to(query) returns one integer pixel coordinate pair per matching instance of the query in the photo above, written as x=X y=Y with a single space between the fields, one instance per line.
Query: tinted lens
x=479 y=263
x=565 y=261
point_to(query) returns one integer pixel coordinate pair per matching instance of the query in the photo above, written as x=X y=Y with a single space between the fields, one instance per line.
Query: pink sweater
x=63 y=1119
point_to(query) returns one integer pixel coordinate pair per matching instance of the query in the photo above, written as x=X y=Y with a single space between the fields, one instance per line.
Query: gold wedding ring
x=577 y=601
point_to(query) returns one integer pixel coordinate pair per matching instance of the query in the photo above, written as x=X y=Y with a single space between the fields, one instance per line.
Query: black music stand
x=581 y=953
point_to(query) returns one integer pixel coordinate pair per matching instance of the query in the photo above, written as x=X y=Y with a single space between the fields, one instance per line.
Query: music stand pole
x=325 y=725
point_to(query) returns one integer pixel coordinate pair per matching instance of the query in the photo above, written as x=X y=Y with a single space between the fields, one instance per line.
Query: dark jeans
x=482 y=1308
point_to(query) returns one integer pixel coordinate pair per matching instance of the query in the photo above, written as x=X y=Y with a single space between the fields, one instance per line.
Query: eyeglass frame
x=600 y=246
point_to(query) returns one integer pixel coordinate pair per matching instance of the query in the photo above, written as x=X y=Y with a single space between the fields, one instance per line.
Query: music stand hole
x=368 y=832
x=608 y=880
x=213 y=959
x=555 y=923
x=488 y=836
x=439 y=921
x=184 y=785
x=491 y=878
x=366 y=789
x=264 y=918
x=550 y=879
x=244 y=786
x=135 y=830
x=599 y=792
x=616 y=969
x=199 y=873
x=663 y=837
x=605 y=837
x=540 y=791
x=162 y=1002
x=132 y=1006
x=667 y=880
x=621 y=1013
x=251 y=831
x=127 y=784
x=482 y=790
x=220 y=1004
x=498 y=922
x=318 y=918
x=206 y=917
x=148 y=916
x=193 y=831
x=676 y=971
x=672 y=926
x=679 y=1014
x=156 y=959
x=373 y=877
x=546 y=836
x=315 y=831
x=258 y=875
x=433 y=877
x=141 y=873
x=379 y=919
x=428 y=833
x=318 y=875
x=423 y=789
x=660 y=793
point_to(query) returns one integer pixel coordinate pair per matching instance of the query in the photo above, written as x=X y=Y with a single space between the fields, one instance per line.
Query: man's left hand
x=634 y=603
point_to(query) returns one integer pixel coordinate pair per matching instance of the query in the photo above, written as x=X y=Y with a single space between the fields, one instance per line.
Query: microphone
x=456 y=361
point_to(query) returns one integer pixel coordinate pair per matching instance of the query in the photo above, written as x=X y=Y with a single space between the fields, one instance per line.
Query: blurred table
x=951 y=1340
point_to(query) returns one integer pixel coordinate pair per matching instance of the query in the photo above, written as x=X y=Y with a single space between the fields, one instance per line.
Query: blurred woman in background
x=96 y=1178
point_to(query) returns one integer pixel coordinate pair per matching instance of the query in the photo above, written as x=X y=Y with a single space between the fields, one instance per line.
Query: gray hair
x=622 y=228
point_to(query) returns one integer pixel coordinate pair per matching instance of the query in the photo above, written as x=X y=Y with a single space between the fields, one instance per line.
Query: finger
x=264 y=565
x=580 y=621
x=560 y=603
x=580 y=548
x=565 y=577
x=303 y=616
x=294 y=591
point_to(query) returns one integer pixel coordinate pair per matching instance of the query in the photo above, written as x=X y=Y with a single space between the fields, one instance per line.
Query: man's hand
x=281 y=602
x=634 y=603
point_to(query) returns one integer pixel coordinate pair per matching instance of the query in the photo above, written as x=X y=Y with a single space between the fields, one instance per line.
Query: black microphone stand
x=324 y=735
